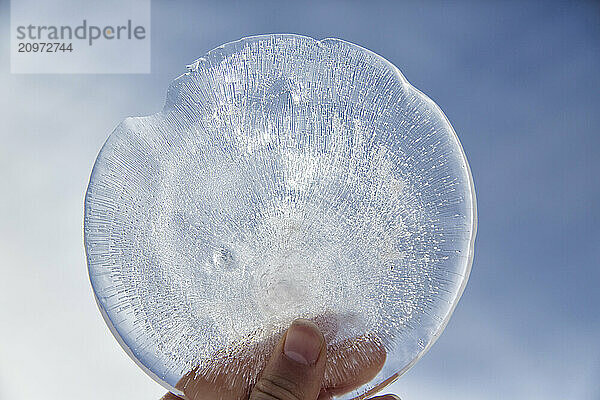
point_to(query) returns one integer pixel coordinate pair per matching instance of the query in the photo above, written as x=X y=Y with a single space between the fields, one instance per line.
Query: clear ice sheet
x=285 y=177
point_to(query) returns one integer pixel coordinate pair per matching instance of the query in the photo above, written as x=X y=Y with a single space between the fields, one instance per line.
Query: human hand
x=297 y=370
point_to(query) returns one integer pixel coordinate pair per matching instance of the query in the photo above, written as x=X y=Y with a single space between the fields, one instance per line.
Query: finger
x=296 y=368
x=214 y=386
x=350 y=364
x=327 y=396
x=324 y=395
x=353 y=363
x=170 y=396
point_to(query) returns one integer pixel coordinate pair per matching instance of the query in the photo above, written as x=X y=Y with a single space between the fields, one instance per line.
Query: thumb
x=296 y=368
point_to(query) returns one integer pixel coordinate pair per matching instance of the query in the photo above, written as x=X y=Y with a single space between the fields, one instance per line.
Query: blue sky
x=520 y=83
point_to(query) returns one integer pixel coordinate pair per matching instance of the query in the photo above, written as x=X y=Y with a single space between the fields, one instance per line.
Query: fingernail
x=303 y=342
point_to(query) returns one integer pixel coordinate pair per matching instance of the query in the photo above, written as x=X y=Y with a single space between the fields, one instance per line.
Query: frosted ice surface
x=285 y=177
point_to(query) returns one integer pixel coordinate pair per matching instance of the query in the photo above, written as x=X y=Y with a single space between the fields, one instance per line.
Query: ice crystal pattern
x=285 y=177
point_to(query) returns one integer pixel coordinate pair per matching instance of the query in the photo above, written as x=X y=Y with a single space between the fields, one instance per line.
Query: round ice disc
x=285 y=178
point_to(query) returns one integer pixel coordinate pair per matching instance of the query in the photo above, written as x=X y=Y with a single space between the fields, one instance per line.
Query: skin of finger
x=322 y=396
x=286 y=376
x=369 y=368
x=224 y=386
x=328 y=396
x=170 y=396
x=234 y=387
x=198 y=387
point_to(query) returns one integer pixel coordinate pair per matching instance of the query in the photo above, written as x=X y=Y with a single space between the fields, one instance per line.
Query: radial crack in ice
x=284 y=178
